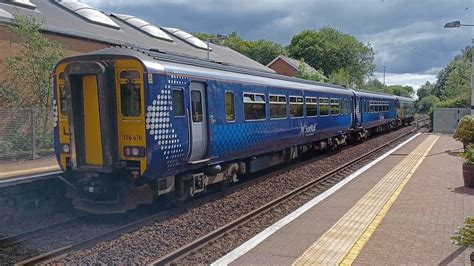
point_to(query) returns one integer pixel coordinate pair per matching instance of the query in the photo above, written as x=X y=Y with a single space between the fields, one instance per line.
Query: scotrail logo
x=308 y=129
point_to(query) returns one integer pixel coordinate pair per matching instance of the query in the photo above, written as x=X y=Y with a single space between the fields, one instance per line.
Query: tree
x=406 y=91
x=309 y=73
x=340 y=77
x=262 y=51
x=29 y=69
x=374 y=85
x=425 y=90
x=333 y=51
x=427 y=103
x=454 y=80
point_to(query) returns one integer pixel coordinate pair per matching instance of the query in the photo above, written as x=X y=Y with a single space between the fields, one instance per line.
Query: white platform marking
x=259 y=238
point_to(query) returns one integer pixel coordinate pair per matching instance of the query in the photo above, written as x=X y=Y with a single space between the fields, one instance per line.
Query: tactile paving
x=338 y=242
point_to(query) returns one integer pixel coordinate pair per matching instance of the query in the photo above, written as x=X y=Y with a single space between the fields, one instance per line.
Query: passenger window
x=178 y=102
x=254 y=107
x=229 y=106
x=296 y=106
x=334 y=106
x=130 y=99
x=323 y=106
x=196 y=104
x=277 y=106
x=311 y=106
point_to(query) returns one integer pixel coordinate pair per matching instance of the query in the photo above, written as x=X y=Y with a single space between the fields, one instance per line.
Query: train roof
x=165 y=63
x=78 y=20
x=405 y=99
x=374 y=94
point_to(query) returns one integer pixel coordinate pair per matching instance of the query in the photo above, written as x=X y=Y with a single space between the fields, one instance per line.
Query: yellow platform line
x=29 y=171
x=342 y=243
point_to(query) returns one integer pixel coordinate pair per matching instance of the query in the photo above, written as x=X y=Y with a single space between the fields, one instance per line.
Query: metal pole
x=384 y=75
x=33 y=134
x=472 y=80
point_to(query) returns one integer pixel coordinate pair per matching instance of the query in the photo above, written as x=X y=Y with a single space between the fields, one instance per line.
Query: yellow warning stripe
x=345 y=239
x=364 y=238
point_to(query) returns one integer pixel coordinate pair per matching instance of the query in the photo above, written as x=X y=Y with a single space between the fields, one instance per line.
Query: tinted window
x=229 y=106
x=311 y=106
x=323 y=106
x=277 y=106
x=178 y=102
x=196 y=104
x=296 y=106
x=254 y=107
x=130 y=99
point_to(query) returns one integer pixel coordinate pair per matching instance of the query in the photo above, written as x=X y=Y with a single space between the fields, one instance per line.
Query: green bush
x=469 y=154
x=465 y=236
x=465 y=130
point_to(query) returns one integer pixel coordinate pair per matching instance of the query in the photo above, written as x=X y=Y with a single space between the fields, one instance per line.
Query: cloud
x=407 y=36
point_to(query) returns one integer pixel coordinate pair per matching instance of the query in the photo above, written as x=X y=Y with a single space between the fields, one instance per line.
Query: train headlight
x=65 y=148
x=134 y=151
x=127 y=151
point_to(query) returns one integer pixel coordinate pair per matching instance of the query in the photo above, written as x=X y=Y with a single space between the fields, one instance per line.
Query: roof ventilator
x=23 y=3
x=187 y=37
x=144 y=26
x=88 y=12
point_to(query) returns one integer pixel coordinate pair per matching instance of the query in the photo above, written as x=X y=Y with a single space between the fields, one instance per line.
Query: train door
x=358 y=111
x=89 y=118
x=198 y=121
x=91 y=121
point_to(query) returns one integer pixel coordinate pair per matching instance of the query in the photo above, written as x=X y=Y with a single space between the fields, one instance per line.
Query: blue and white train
x=132 y=125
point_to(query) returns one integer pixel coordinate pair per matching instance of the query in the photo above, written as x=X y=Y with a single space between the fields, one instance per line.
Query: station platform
x=27 y=171
x=400 y=209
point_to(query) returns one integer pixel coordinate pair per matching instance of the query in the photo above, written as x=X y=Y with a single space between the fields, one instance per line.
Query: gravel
x=151 y=242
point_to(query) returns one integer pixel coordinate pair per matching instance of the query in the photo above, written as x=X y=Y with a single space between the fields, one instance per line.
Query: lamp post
x=384 y=67
x=457 y=24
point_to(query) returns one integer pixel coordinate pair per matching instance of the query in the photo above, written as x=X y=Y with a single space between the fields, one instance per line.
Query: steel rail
x=202 y=241
x=179 y=253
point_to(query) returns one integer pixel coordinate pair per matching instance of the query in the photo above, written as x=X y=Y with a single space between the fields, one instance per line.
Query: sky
x=407 y=35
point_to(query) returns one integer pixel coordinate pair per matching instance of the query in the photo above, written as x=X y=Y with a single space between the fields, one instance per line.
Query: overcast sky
x=407 y=35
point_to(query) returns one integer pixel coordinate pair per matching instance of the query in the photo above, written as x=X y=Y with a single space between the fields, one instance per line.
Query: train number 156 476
x=131 y=137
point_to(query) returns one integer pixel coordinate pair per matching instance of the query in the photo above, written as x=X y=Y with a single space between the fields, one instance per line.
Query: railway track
x=320 y=184
x=313 y=187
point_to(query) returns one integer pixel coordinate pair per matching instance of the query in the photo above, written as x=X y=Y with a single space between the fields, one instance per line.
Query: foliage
x=465 y=236
x=340 y=77
x=465 y=130
x=454 y=80
x=30 y=67
x=377 y=86
x=406 y=91
x=427 y=103
x=425 y=90
x=468 y=154
x=309 y=73
x=262 y=51
x=335 y=53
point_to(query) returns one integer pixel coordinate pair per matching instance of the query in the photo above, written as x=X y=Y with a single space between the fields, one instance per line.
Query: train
x=133 y=126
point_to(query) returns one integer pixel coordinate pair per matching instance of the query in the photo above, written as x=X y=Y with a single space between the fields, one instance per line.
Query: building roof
x=292 y=62
x=75 y=19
